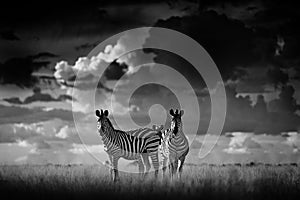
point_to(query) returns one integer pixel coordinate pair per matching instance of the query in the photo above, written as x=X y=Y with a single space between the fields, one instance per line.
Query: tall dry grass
x=198 y=182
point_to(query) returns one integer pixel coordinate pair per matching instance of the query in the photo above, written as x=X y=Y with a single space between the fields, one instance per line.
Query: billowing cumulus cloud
x=95 y=65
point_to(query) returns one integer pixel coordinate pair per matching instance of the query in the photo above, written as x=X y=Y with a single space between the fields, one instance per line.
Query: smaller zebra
x=174 y=146
x=118 y=144
x=164 y=149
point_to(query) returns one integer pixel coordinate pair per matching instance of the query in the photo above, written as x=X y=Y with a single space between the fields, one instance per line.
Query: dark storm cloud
x=85 y=46
x=9 y=35
x=272 y=118
x=228 y=42
x=44 y=55
x=19 y=71
x=277 y=77
x=75 y=25
x=15 y=114
x=78 y=25
x=286 y=102
x=231 y=44
x=276 y=19
x=76 y=18
x=38 y=96
x=237 y=45
x=115 y=70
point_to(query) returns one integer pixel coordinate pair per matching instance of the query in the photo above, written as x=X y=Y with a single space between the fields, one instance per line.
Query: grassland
x=198 y=182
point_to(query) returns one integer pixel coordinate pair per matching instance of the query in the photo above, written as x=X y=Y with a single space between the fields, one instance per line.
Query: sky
x=48 y=117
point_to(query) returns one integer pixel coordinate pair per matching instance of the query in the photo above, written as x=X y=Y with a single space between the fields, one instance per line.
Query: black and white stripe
x=147 y=133
x=174 y=145
x=119 y=144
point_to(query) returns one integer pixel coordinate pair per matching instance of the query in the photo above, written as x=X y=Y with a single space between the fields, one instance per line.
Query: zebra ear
x=97 y=113
x=161 y=127
x=172 y=112
x=181 y=112
x=106 y=113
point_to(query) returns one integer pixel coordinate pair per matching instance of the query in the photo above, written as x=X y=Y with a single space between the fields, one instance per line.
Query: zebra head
x=176 y=123
x=102 y=118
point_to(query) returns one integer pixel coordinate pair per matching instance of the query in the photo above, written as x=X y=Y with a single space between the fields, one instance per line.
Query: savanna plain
x=232 y=181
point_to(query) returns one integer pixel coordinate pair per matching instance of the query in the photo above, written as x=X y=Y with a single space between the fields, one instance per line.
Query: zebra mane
x=166 y=132
x=109 y=123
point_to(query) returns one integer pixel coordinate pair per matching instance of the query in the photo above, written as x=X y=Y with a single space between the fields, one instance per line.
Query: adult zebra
x=174 y=145
x=118 y=144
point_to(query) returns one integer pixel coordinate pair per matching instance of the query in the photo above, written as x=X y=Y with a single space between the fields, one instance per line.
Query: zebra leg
x=111 y=167
x=165 y=162
x=146 y=161
x=155 y=162
x=174 y=166
x=182 y=159
x=115 y=169
x=171 y=168
x=141 y=167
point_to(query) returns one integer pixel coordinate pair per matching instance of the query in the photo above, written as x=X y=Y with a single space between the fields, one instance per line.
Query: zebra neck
x=180 y=134
x=107 y=128
x=177 y=130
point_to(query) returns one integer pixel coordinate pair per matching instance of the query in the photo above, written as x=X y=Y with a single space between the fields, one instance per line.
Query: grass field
x=198 y=182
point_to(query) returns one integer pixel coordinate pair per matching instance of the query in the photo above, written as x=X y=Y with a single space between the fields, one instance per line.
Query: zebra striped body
x=148 y=133
x=174 y=145
x=178 y=146
x=164 y=147
x=142 y=132
x=128 y=146
x=119 y=144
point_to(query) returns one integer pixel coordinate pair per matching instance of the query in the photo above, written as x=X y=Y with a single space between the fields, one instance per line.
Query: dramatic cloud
x=261 y=117
x=255 y=45
x=293 y=139
x=26 y=115
x=38 y=96
x=19 y=71
x=286 y=102
x=231 y=44
x=241 y=142
x=52 y=135
x=88 y=46
x=9 y=35
x=82 y=149
x=93 y=66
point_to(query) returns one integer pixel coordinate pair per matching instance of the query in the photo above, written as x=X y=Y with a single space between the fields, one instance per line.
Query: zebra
x=118 y=144
x=174 y=146
x=164 y=149
x=147 y=133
